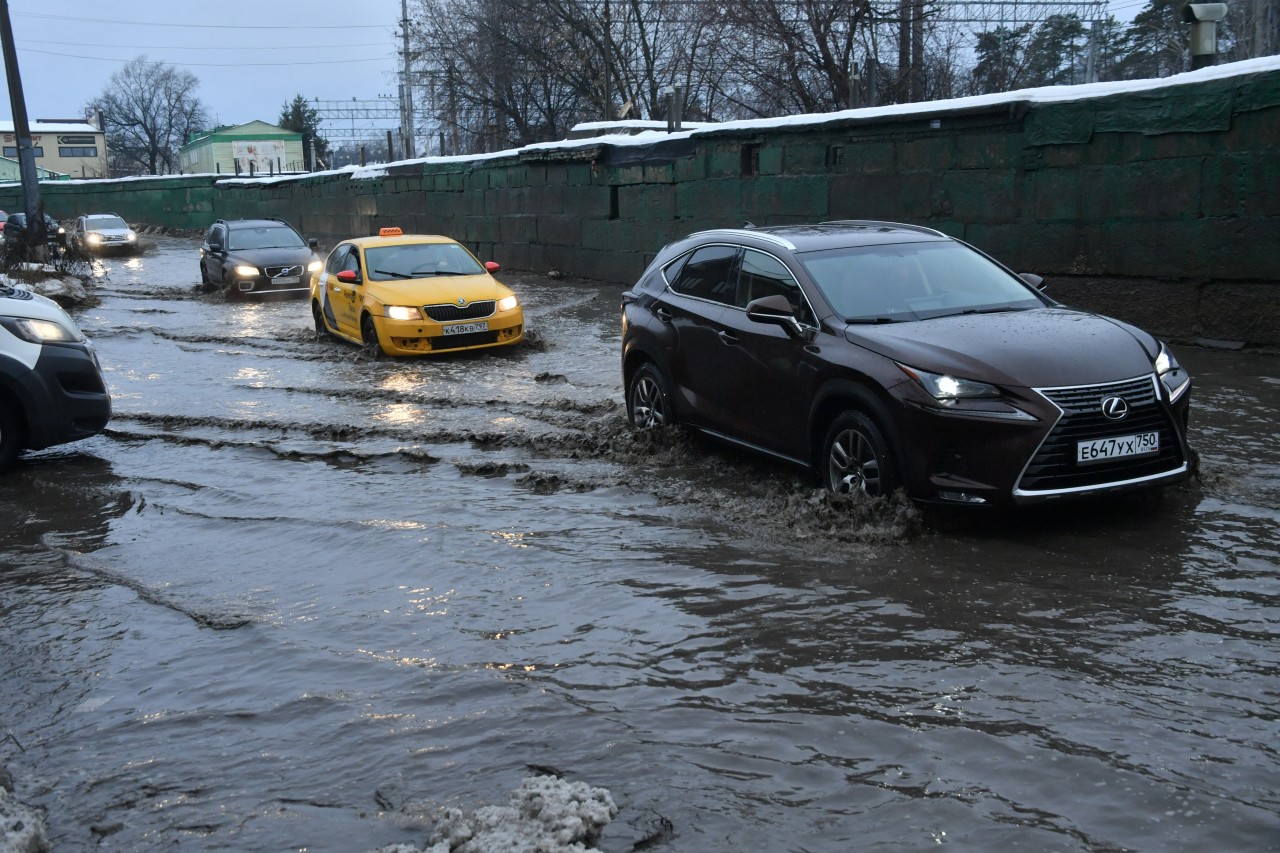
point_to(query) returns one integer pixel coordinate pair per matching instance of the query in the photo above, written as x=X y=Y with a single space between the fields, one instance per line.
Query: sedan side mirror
x=777 y=311
x=1032 y=279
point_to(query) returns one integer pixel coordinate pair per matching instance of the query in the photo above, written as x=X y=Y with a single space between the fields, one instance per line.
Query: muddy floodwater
x=298 y=599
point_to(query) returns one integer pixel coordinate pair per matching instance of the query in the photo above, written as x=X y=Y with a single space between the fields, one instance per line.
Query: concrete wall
x=1160 y=206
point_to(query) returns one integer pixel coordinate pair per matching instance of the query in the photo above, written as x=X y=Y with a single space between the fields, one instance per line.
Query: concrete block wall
x=1159 y=206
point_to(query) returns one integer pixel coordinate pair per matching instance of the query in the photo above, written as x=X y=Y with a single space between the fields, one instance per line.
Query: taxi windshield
x=420 y=260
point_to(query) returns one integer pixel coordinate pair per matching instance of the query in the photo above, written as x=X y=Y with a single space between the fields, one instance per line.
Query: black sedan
x=885 y=356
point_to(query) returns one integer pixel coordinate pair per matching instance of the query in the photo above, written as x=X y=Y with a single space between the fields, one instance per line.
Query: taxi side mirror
x=348 y=277
x=492 y=266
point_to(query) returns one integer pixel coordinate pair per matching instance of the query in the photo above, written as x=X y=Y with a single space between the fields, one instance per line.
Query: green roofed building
x=255 y=148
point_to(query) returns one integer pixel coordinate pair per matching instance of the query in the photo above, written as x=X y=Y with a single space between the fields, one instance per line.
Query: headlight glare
x=403 y=312
x=93 y=239
x=507 y=303
x=315 y=266
x=947 y=388
x=246 y=270
x=132 y=237
x=39 y=331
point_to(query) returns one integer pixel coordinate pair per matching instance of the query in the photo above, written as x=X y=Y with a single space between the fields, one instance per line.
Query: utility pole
x=608 y=50
x=31 y=202
x=406 y=84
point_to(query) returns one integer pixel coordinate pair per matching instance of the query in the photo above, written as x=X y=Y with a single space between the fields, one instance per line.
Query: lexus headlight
x=1175 y=379
x=948 y=389
x=506 y=303
x=39 y=331
x=246 y=270
x=402 y=312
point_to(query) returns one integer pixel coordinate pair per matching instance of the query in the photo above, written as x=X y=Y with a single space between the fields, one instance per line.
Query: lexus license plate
x=466 y=328
x=1105 y=449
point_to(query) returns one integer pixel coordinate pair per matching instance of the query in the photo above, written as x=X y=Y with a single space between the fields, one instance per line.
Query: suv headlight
x=1175 y=379
x=246 y=270
x=315 y=266
x=39 y=331
x=948 y=389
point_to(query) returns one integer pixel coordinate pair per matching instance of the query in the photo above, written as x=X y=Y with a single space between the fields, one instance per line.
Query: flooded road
x=295 y=598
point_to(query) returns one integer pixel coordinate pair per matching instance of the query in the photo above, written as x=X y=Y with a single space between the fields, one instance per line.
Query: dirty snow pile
x=545 y=815
x=67 y=291
x=21 y=829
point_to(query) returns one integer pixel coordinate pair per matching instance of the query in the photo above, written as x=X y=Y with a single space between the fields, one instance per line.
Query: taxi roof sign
x=390 y=232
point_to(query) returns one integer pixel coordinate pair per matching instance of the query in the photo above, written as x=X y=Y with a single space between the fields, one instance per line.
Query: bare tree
x=149 y=109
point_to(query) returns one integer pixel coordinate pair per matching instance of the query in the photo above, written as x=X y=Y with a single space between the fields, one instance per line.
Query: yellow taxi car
x=413 y=294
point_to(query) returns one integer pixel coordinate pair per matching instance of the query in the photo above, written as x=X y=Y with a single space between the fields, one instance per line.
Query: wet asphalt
x=295 y=598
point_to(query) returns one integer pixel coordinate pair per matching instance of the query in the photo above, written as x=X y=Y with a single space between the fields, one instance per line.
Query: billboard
x=265 y=155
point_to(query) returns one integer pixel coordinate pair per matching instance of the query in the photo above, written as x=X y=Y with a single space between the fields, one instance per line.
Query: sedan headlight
x=506 y=303
x=246 y=270
x=948 y=389
x=1175 y=379
x=39 y=331
x=402 y=312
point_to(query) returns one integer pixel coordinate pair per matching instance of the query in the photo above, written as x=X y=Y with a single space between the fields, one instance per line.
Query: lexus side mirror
x=1032 y=279
x=777 y=311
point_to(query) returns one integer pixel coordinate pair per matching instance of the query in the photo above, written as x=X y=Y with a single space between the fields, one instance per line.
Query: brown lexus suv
x=883 y=356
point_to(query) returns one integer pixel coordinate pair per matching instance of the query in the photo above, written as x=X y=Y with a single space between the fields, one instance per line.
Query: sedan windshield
x=264 y=237
x=420 y=260
x=914 y=281
x=92 y=222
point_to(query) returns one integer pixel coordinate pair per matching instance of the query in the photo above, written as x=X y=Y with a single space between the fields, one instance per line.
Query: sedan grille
x=449 y=313
x=1054 y=468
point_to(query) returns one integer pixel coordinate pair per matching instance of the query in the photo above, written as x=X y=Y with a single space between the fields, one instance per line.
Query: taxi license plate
x=466 y=328
x=286 y=279
x=1105 y=449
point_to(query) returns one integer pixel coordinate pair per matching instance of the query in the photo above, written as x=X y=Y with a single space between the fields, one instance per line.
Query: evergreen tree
x=301 y=117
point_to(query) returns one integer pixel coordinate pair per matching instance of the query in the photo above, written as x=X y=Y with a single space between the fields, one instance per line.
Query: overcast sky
x=250 y=56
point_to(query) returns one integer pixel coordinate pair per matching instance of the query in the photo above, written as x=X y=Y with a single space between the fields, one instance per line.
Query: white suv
x=51 y=386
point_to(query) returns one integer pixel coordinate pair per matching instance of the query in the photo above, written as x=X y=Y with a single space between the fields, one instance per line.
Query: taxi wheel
x=318 y=317
x=369 y=334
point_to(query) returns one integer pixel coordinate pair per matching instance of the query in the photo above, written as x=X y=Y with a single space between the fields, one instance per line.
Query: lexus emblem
x=1115 y=408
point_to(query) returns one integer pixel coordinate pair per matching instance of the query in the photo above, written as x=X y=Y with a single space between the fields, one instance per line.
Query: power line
x=220 y=48
x=211 y=64
x=78 y=20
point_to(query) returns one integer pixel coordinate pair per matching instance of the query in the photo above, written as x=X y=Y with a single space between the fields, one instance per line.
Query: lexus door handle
x=663 y=314
x=728 y=337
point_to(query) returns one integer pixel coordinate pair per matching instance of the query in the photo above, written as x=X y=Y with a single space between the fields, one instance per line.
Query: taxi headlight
x=246 y=270
x=314 y=266
x=38 y=331
x=506 y=303
x=402 y=312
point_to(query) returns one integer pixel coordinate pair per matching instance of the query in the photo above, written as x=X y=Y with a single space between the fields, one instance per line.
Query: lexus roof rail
x=749 y=232
x=873 y=223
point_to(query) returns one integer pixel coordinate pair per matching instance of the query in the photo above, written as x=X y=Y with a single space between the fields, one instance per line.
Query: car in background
x=100 y=233
x=15 y=235
x=883 y=356
x=257 y=258
x=413 y=294
x=51 y=387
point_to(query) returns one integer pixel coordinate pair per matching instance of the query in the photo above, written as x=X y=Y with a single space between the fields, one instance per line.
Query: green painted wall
x=1159 y=206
